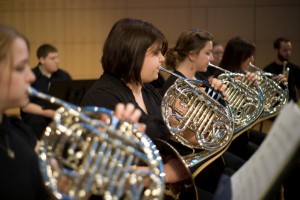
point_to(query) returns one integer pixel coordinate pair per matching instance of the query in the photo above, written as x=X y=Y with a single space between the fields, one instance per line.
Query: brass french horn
x=245 y=99
x=87 y=151
x=276 y=94
x=201 y=127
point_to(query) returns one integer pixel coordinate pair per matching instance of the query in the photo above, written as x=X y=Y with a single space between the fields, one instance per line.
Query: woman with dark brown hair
x=132 y=55
x=238 y=54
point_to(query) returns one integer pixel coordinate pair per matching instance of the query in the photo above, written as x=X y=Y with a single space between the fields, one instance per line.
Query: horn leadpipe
x=254 y=66
x=178 y=76
x=215 y=93
x=219 y=68
x=71 y=107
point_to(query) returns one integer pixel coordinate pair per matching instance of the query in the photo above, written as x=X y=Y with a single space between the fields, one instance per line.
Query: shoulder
x=272 y=64
x=297 y=67
x=36 y=71
x=107 y=82
x=24 y=130
x=61 y=74
x=273 y=68
x=106 y=92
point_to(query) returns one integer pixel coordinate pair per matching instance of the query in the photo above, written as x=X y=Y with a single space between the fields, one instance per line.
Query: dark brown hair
x=126 y=46
x=237 y=50
x=44 y=50
x=278 y=41
x=189 y=41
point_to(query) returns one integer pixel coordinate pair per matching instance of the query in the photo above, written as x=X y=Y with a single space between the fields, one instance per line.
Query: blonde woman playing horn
x=192 y=54
x=19 y=168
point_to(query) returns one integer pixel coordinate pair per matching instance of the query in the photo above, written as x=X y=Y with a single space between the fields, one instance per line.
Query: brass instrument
x=285 y=70
x=87 y=151
x=201 y=127
x=245 y=99
x=276 y=95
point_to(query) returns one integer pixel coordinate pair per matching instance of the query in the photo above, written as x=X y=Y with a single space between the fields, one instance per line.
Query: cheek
x=203 y=60
x=245 y=65
x=145 y=73
x=20 y=86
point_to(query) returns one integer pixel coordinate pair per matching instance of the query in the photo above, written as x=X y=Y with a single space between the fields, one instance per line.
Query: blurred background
x=78 y=28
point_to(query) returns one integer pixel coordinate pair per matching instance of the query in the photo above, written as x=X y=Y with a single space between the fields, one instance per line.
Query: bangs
x=158 y=46
x=162 y=44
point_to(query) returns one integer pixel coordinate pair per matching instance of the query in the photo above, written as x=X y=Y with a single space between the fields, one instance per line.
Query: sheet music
x=258 y=174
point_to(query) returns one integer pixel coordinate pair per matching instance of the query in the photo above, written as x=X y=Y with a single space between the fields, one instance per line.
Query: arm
x=38 y=110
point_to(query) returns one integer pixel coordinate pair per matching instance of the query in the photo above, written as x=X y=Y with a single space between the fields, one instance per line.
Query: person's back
x=46 y=71
x=282 y=65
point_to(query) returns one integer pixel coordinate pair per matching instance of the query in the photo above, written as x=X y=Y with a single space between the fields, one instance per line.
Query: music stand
x=71 y=91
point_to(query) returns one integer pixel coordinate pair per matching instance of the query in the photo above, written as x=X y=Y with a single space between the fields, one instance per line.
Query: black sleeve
x=297 y=74
x=104 y=99
x=65 y=75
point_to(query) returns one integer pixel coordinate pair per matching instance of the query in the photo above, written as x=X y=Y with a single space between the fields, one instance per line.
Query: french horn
x=245 y=98
x=276 y=94
x=87 y=151
x=201 y=127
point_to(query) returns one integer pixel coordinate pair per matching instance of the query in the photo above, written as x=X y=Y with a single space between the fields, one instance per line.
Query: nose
x=211 y=57
x=30 y=77
x=161 y=57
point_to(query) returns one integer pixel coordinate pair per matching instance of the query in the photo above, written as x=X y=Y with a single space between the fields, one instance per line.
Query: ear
x=42 y=60
x=192 y=56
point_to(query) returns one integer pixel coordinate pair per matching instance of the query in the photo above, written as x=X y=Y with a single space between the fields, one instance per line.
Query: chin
x=24 y=102
x=204 y=69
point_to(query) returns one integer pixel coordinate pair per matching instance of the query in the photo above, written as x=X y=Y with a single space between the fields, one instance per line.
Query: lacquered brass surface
x=87 y=151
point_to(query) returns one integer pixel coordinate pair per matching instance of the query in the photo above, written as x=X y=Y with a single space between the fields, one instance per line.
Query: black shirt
x=293 y=79
x=42 y=83
x=20 y=178
x=108 y=91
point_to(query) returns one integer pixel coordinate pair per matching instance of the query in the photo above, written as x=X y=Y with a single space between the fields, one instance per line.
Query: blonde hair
x=190 y=40
x=7 y=37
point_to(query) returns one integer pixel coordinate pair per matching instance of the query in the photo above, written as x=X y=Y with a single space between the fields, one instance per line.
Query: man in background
x=35 y=114
x=282 y=65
